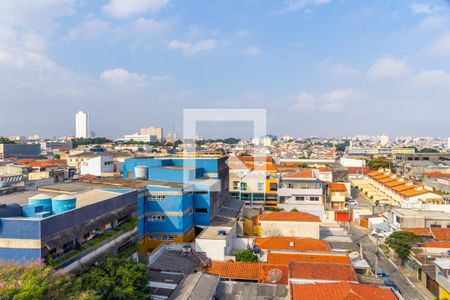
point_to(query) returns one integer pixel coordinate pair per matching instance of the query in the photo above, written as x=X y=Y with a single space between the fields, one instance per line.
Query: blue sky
x=320 y=67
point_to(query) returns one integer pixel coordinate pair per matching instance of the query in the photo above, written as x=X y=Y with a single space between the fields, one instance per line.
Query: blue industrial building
x=51 y=226
x=182 y=193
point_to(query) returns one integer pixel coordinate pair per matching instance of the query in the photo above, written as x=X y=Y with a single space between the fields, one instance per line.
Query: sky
x=319 y=67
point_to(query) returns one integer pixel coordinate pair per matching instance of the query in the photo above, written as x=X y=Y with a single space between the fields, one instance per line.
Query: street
x=408 y=291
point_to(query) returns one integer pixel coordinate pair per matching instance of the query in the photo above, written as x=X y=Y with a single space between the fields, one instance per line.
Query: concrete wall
x=290 y=229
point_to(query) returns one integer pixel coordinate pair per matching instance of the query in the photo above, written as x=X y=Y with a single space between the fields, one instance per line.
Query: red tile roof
x=437 y=175
x=291 y=244
x=357 y=170
x=289 y=216
x=337 y=187
x=284 y=258
x=419 y=231
x=257 y=271
x=322 y=271
x=340 y=291
x=324 y=170
x=302 y=174
x=440 y=234
x=436 y=244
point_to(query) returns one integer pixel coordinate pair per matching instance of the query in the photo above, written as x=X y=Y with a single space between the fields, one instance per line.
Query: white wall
x=351 y=162
x=214 y=249
x=97 y=165
x=290 y=229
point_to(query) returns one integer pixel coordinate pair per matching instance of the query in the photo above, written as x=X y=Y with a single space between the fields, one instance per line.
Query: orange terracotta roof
x=255 y=158
x=340 y=291
x=395 y=183
x=236 y=270
x=322 y=271
x=302 y=174
x=284 y=258
x=414 y=192
x=440 y=234
x=381 y=176
x=404 y=187
x=337 y=187
x=291 y=244
x=357 y=170
x=269 y=274
x=389 y=179
x=324 y=169
x=419 y=231
x=374 y=173
x=256 y=271
x=24 y=161
x=436 y=244
x=437 y=175
x=289 y=216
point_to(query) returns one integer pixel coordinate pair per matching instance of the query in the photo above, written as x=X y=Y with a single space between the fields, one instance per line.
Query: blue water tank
x=63 y=203
x=41 y=199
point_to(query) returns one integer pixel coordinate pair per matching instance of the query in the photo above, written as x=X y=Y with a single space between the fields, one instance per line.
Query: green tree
x=378 y=164
x=246 y=256
x=116 y=278
x=302 y=165
x=341 y=147
x=402 y=241
x=4 y=140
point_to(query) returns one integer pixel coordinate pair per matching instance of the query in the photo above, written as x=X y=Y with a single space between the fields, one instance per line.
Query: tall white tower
x=82 y=125
x=384 y=140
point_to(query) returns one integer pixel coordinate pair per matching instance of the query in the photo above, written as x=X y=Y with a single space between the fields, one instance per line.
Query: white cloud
x=127 y=8
x=149 y=26
x=90 y=29
x=295 y=5
x=337 y=70
x=441 y=46
x=388 y=68
x=432 y=79
x=192 y=48
x=122 y=76
x=431 y=22
x=252 y=50
x=332 y=101
x=422 y=8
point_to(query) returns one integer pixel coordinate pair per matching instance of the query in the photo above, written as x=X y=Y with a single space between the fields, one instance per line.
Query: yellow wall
x=249 y=229
x=268 y=182
x=147 y=244
x=443 y=294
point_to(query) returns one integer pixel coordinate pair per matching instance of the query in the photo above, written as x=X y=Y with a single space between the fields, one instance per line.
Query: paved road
x=408 y=291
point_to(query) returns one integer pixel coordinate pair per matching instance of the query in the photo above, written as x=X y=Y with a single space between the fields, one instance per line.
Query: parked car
x=352 y=202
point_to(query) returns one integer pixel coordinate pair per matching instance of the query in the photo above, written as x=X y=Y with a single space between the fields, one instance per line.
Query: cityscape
x=247 y=150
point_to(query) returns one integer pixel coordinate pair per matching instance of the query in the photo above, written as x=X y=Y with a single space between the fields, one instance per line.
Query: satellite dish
x=274 y=275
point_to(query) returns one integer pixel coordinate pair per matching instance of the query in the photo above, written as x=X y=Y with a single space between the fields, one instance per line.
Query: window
x=235 y=185
x=157 y=218
x=273 y=187
x=300 y=198
x=201 y=210
x=157 y=197
x=435 y=226
x=243 y=186
x=290 y=186
x=260 y=186
x=201 y=192
x=314 y=198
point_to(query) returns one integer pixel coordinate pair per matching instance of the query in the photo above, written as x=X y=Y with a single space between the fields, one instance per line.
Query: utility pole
x=376 y=253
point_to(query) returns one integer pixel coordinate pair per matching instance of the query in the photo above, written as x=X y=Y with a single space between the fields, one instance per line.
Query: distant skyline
x=319 y=67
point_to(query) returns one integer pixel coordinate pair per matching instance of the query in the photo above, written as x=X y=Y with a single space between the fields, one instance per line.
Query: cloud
x=150 y=26
x=192 y=48
x=252 y=50
x=422 y=8
x=122 y=76
x=296 y=5
x=127 y=8
x=333 y=101
x=430 y=23
x=337 y=70
x=432 y=79
x=441 y=46
x=388 y=68
x=90 y=29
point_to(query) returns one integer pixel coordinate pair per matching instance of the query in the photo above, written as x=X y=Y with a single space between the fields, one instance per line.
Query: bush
x=246 y=256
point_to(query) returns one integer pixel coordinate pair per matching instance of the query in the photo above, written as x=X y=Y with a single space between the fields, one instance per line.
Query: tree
x=402 y=241
x=246 y=256
x=116 y=278
x=378 y=164
x=341 y=147
x=302 y=165
x=4 y=140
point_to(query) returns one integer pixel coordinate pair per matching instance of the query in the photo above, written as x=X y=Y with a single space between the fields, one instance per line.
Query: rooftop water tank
x=63 y=203
x=141 y=172
x=41 y=199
